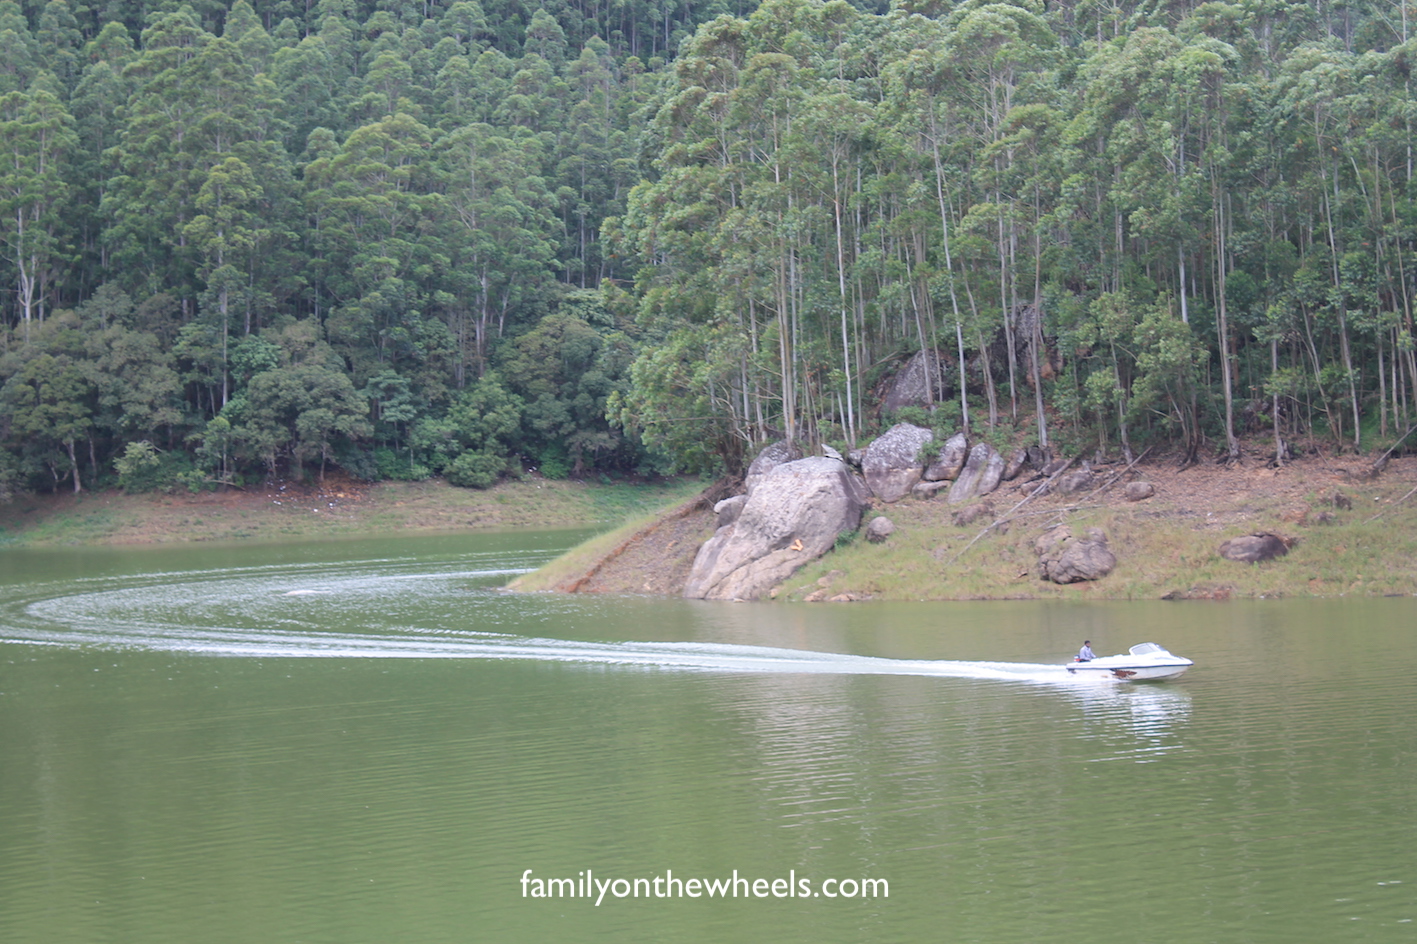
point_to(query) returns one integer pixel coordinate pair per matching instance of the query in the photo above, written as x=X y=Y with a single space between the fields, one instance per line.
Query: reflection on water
x=1136 y=722
x=371 y=743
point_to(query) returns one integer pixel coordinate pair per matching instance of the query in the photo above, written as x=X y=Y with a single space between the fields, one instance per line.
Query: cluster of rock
x=794 y=508
x=901 y=462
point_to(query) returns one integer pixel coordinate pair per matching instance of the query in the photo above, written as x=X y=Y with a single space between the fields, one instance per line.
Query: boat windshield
x=1145 y=649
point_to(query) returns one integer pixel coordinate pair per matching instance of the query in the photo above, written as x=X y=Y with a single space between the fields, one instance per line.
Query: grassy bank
x=340 y=508
x=1157 y=556
x=1352 y=534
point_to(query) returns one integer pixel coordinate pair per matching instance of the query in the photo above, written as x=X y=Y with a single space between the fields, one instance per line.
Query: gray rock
x=1138 y=491
x=950 y=459
x=927 y=490
x=831 y=453
x=980 y=475
x=1015 y=465
x=1252 y=548
x=892 y=464
x=1063 y=558
x=770 y=458
x=1046 y=542
x=972 y=513
x=727 y=511
x=879 y=529
x=792 y=516
x=909 y=388
x=1074 y=482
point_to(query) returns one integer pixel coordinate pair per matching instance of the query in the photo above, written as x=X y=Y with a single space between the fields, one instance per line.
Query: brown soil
x=1219 y=497
x=655 y=560
x=1204 y=497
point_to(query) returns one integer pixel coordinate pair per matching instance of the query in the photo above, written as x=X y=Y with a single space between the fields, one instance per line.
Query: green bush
x=389 y=464
x=475 y=469
x=553 y=461
x=145 y=468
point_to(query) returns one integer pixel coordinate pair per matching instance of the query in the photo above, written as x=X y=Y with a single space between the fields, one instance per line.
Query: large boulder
x=770 y=458
x=1253 y=548
x=892 y=463
x=949 y=461
x=792 y=516
x=980 y=475
x=1063 y=558
x=919 y=383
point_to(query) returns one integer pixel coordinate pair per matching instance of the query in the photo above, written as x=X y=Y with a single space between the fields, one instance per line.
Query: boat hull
x=1128 y=673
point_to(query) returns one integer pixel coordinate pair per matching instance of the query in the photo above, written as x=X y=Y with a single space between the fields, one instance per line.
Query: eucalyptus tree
x=37 y=140
x=149 y=198
x=994 y=49
x=227 y=229
x=925 y=112
x=96 y=104
x=60 y=42
x=496 y=214
x=375 y=196
x=19 y=52
x=591 y=169
x=1314 y=91
x=195 y=104
x=312 y=86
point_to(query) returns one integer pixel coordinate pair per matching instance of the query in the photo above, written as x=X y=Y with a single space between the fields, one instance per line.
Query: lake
x=367 y=741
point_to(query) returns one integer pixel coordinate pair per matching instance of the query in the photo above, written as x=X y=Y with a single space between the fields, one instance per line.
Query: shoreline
x=1353 y=534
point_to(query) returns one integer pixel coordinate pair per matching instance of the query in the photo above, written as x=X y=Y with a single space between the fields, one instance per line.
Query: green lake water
x=366 y=741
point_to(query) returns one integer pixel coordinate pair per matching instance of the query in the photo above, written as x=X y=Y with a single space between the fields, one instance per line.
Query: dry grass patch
x=1165 y=547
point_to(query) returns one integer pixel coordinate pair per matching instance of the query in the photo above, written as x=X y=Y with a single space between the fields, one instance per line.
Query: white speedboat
x=1144 y=662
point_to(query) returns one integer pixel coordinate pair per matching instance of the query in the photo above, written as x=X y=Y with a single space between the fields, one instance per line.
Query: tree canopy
x=468 y=239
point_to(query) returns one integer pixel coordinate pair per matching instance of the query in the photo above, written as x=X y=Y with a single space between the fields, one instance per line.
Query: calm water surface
x=367 y=742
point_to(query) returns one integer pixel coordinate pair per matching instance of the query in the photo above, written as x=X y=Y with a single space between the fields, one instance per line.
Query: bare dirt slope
x=655 y=560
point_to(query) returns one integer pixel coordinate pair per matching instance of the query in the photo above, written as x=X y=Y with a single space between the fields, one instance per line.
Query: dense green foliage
x=1183 y=222
x=456 y=238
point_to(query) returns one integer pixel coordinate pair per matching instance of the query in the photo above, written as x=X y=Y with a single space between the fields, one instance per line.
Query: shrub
x=475 y=469
x=389 y=464
x=145 y=468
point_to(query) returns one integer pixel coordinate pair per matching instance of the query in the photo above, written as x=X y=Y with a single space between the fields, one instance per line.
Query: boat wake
x=384 y=610
x=691 y=656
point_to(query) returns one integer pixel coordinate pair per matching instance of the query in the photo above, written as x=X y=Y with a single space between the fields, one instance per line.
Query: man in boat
x=1085 y=653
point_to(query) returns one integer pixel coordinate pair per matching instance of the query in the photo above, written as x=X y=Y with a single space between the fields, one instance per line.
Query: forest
x=243 y=241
